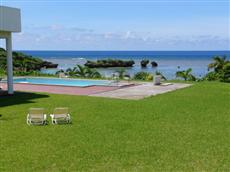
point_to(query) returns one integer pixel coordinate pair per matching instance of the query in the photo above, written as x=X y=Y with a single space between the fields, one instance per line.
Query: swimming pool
x=62 y=82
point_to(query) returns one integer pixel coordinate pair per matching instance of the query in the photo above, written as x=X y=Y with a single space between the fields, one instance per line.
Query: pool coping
x=115 y=86
x=65 y=90
x=121 y=86
x=94 y=79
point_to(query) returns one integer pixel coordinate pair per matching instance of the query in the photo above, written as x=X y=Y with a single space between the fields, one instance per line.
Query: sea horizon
x=44 y=53
x=119 y=50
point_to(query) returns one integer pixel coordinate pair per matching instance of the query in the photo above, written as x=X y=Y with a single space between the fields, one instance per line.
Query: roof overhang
x=10 y=19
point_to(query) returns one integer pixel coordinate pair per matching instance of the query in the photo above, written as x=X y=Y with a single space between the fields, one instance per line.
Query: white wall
x=10 y=19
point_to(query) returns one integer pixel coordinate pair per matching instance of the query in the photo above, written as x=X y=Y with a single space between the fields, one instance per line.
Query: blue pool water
x=64 y=82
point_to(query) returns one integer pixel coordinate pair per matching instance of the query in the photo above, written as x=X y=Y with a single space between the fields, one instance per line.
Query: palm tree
x=121 y=73
x=186 y=75
x=84 y=72
x=93 y=73
x=81 y=71
x=226 y=72
x=218 y=64
x=59 y=71
x=70 y=72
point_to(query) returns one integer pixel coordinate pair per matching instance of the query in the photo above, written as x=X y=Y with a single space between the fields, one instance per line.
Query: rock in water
x=154 y=64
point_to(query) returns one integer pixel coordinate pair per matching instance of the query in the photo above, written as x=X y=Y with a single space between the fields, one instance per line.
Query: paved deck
x=61 y=89
x=134 y=92
x=140 y=91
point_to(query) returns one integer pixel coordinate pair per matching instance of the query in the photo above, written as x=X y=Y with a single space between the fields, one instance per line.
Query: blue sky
x=123 y=25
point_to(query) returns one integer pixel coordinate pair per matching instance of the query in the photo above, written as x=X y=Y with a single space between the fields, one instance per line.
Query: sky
x=122 y=25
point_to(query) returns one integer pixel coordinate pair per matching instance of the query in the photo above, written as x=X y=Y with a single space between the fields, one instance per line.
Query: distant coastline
x=168 y=60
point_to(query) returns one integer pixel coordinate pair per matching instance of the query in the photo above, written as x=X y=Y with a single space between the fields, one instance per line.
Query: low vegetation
x=144 y=76
x=82 y=72
x=219 y=70
x=121 y=73
x=186 y=75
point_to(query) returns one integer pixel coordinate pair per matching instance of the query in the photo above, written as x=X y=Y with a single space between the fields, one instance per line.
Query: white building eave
x=10 y=21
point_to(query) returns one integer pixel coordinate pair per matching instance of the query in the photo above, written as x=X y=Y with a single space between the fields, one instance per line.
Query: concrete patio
x=133 y=92
x=141 y=91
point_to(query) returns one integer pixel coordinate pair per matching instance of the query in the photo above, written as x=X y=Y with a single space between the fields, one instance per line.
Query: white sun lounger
x=60 y=115
x=36 y=116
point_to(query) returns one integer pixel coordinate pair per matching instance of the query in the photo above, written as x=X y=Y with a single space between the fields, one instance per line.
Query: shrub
x=186 y=75
x=2 y=72
x=145 y=76
x=211 y=76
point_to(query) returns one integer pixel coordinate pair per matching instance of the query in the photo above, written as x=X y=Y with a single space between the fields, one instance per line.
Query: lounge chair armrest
x=45 y=116
x=27 y=119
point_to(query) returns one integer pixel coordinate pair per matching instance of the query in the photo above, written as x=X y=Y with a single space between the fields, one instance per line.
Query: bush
x=2 y=72
x=145 y=76
x=186 y=75
x=211 y=76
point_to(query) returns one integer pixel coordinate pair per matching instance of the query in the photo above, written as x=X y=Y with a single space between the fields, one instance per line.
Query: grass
x=185 y=130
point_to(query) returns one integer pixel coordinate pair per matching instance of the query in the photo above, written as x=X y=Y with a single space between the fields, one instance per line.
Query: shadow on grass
x=19 y=98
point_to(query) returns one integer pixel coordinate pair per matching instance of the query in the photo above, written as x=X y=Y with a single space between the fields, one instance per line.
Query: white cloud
x=58 y=37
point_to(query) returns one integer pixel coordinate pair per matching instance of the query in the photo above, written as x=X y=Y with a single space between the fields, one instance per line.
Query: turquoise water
x=63 y=82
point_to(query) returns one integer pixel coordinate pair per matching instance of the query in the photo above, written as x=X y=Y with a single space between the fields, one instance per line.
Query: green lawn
x=185 y=130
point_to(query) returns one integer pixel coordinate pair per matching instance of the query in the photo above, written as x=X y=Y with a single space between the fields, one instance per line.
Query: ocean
x=168 y=61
